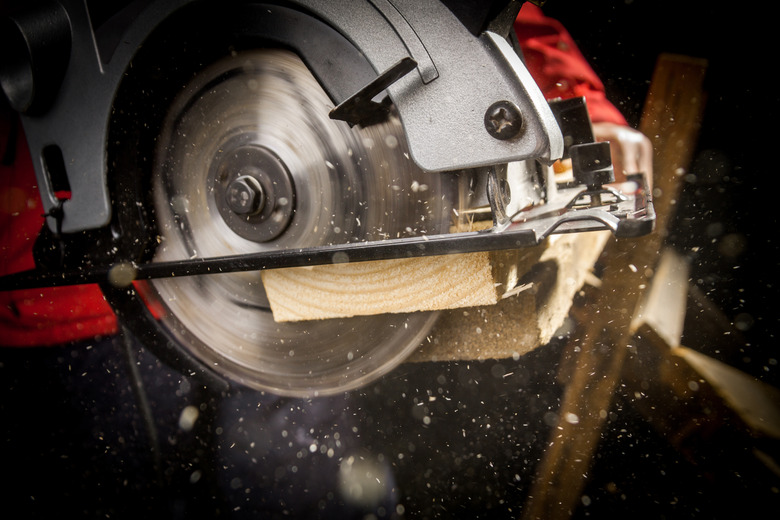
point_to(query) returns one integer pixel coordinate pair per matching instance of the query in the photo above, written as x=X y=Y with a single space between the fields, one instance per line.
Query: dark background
x=75 y=441
x=726 y=222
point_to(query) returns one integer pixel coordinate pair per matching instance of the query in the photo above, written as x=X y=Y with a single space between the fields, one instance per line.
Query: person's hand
x=632 y=151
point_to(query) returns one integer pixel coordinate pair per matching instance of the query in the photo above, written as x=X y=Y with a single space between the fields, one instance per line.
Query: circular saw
x=219 y=140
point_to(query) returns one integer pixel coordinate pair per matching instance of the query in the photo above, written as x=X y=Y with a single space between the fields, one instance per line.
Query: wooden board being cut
x=388 y=286
x=479 y=320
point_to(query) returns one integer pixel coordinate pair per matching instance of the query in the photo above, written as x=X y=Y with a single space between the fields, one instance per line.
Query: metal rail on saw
x=625 y=215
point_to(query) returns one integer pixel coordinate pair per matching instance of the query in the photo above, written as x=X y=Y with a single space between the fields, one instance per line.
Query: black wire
x=142 y=402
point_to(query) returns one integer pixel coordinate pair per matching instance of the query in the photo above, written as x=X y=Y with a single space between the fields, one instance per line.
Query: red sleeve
x=558 y=66
x=36 y=317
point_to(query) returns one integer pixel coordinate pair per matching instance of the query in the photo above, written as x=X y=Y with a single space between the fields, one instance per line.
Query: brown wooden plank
x=671 y=120
x=368 y=288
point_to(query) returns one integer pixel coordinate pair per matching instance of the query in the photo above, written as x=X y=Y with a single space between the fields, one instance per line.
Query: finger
x=618 y=160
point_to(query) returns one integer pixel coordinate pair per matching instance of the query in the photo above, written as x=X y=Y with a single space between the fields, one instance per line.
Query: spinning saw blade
x=249 y=161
